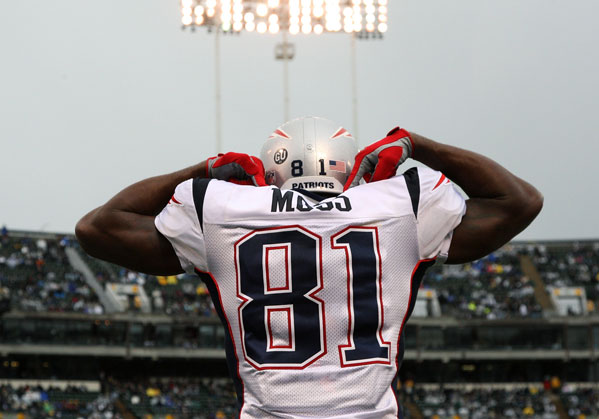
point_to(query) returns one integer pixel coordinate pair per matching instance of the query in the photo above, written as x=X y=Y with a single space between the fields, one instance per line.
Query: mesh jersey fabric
x=314 y=295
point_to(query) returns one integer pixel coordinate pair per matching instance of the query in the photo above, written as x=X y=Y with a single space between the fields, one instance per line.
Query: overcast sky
x=97 y=95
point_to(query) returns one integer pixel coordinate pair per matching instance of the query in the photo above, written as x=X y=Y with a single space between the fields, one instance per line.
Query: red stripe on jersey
x=230 y=335
x=440 y=181
x=175 y=200
x=415 y=271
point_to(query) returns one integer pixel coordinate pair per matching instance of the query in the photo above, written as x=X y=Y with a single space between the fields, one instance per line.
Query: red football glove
x=237 y=168
x=380 y=160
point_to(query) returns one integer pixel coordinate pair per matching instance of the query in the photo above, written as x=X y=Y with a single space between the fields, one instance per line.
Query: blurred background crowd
x=55 y=298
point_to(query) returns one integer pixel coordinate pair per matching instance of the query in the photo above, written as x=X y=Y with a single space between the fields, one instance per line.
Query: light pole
x=363 y=19
x=285 y=51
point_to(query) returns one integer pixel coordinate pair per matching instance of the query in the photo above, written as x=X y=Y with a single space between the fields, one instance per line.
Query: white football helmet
x=309 y=153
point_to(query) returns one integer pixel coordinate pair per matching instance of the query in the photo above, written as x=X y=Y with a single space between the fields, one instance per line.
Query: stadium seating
x=215 y=398
x=35 y=275
x=37 y=402
x=581 y=402
x=477 y=403
x=493 y=287
x=177 y=397
x=569 y=265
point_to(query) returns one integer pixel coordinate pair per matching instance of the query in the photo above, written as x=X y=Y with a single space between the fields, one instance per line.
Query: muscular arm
x=122 y=231
x=501 y=205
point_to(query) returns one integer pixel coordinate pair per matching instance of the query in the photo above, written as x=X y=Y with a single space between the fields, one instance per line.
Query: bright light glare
x=293 y=16
x=262 y=9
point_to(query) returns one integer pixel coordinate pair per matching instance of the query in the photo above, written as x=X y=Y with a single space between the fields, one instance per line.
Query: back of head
x=309 y=153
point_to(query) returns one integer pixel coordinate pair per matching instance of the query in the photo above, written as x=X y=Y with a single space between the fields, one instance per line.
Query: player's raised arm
x=500 y=204
x=122 y=231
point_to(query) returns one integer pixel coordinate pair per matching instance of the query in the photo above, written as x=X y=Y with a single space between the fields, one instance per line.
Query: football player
x=313 y=274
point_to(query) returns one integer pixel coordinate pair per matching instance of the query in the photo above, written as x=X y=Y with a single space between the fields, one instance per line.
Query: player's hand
x=237 y=168
x=380 y=160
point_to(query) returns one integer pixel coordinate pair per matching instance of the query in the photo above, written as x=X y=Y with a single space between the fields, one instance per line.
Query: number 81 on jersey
x=294 y=301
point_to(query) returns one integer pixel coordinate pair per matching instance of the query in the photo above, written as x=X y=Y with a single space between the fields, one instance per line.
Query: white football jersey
x=314 y=294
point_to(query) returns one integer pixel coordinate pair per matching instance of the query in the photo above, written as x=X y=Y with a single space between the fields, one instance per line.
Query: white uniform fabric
x=314 y=295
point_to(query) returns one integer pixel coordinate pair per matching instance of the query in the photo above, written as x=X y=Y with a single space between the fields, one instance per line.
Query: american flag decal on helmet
x=337 y=166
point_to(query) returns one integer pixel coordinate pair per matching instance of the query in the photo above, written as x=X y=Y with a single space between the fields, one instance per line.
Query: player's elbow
x=525 y=207
x=87 y=233
x=531 y=204
x=536 y=203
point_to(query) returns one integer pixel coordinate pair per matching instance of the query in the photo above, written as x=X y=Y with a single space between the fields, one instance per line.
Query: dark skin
x=500 y=206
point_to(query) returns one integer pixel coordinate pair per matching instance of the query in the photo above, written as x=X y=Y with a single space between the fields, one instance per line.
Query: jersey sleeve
x=179 y=223
x=440 y=211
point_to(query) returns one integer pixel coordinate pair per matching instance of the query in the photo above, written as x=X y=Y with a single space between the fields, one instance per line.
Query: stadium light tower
x=364 y=19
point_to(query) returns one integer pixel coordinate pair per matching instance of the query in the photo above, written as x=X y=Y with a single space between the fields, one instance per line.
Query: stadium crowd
x=36 y=275
x=72 y=402
x=581 y=403
x=493 y=287
x=214 y=398
x=179 y=398
x=576 y=266
x=482 y=404
x=541 y=401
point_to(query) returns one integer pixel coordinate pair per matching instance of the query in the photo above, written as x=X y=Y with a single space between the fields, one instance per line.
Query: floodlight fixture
x=363 y=18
